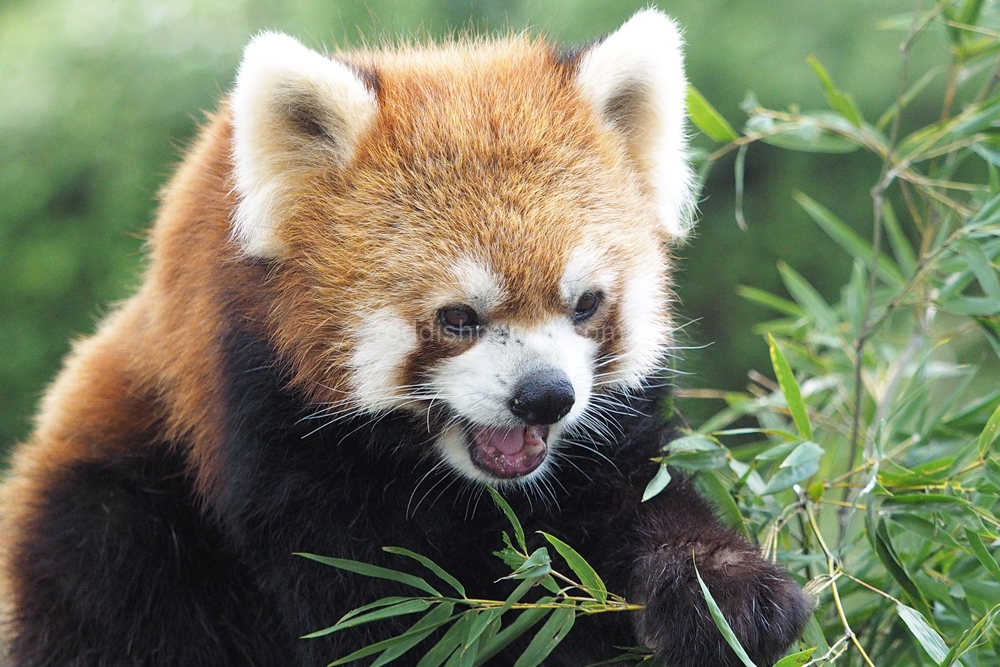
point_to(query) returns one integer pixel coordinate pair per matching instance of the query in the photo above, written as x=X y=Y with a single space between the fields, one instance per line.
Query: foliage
x=871 y=465
x=478 y=631
x=873 y=469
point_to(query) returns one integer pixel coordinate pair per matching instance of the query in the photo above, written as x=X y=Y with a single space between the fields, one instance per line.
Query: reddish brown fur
x=389 y=225
x=482 y=150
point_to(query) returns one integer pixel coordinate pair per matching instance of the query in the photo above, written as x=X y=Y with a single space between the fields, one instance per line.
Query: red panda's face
x=474 y=234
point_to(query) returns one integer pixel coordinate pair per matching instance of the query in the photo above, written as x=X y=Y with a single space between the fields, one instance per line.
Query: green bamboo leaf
x=971 y=305
x=479 y=625
x=983 y=554
x=770 y=301
x=901 y=247
x=992 y=473
x=400 y=609
x=969 y=14
x=384 y=602
x=809 y=134
x=807 y=297
x=790 y=389
x=448 y=643
x=659 y=482
x=924 y=502
x=707 y=119
x=434 y=619
x=466 y=657
x=430 y=565
x=373 y=571
x=990 y=432
x=536 y=566
x=796 y=659
x=848 y=240
x=971 y=637
x=886 y=554
x=927 y=636
x=547 y=638
x=525 y=621
x=588 y=576
x=925 y=529
x=813 y=633
x=986 y=274
x=839 y=101
x=502 y=504
x=721 y=622
x=712 y=486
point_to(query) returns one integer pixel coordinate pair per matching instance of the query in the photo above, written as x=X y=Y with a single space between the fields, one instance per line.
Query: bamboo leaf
x=373 y=571
x=707 y=119
x=659 y=482
x=971 y=637
x=796 y=659
x=547 y=638
x=807 y=297
x=430 y=565
x=790 y=389
x=536 y=566
x=983 y=554
x=901 y=247
x=847 y=239
x=986 y=274
x=588 y=576
x=502 y=504
x=927 y=636
x=886 y=554
x=400 y=609
x=721 y=622
x=715 y=490
x=770 y=300
x=479 y=625
x=419 y=631
x=525 y=620
x=807 y=134
x=990 y=432
x=448 y=643
x=839 y=101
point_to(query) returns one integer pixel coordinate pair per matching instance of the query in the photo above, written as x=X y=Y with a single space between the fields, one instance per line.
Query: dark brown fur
x=151 y=517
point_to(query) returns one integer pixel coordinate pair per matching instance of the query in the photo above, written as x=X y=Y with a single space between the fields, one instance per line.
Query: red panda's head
x=475 y=233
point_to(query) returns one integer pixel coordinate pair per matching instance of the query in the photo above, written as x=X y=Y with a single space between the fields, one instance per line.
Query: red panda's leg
x=674 y=531
x=112 y=565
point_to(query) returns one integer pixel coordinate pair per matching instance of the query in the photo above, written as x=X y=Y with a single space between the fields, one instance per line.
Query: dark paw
x=764 y=608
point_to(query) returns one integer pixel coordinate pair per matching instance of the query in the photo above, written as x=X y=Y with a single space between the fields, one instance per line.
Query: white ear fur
x=635 y=81
x=293 y=110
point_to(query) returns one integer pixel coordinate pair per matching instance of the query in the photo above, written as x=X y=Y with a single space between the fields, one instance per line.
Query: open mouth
x=508 y=452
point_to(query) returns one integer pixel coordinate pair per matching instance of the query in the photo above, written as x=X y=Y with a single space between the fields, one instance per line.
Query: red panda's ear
x=293 y=111
x=635 y=80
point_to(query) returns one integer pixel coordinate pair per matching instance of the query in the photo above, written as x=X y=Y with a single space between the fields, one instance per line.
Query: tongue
x=507 y=441
x=509 y=452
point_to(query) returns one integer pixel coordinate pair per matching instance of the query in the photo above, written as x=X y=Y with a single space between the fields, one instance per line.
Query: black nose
x=542 y=397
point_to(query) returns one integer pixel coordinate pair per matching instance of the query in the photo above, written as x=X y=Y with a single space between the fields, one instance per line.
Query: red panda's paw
x=765 y=609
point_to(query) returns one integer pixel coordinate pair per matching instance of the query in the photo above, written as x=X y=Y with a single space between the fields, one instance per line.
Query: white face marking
x=477 y=286
x=477 y=385
x=585 y=271
x=381 y=346
x=644 y=323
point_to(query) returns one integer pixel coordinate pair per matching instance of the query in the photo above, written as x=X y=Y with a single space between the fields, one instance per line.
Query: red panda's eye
x=459 y=320
x=586 y=306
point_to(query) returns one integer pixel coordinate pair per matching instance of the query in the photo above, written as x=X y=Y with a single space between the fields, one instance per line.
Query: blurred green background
x=99 y=97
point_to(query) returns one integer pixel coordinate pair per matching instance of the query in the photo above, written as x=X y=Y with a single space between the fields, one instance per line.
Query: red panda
x=379 y=281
